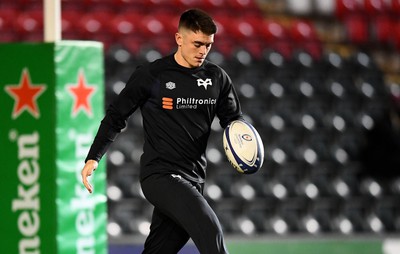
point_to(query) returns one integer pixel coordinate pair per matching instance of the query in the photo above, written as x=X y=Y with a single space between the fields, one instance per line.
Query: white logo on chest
x=170 y=85
x=204 y=83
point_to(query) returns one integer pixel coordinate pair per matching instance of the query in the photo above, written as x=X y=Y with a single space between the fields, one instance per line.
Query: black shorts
x=180 y=212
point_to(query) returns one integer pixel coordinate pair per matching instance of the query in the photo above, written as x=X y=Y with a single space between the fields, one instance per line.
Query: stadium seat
x=242 y=30
x=211 y=5
x=29 y=22
x=271 y=90
x=151 y=27
x=300 y=8
x=134 y=43
x=325 y=7
x=72 y=5
x=95 y=22
x=291 y=211
x=165 y=44
x=124 y=24
x=104 y=5
x=387 y=210
x=69 y=26
x=7 y=18
x=30 y=4
x=276 y=37
x=347 y=7
x=130 y=214
x=128 y=181
x=395 y=7
x=239 y=5
x=9 y=4
x=227 y=211
x=272 y=30
x=396 y=36
x=260 y=211
x=225 y=46
x=185 y=4
x=242 y=190
x=7 y=22
x=375 y=7
x=316 y=107
x=286 y=109
x=341 y=78
x=325 y=210
x=224 y=178
x=148 y=53
x=313 y=48
x=315 y=147
x=357 y=29
x=305 y=38
x=170 y=21
x=354 y=210
x=9 y=37
x=154 y=4
x=363 y=66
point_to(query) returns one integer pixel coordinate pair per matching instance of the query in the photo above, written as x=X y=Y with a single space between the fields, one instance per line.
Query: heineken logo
x=27 y=204
x=81 y=92
x=25 y=95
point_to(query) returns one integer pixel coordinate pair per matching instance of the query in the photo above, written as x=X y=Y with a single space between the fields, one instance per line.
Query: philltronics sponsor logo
x=186 y=103
x=27 y=204
x=192 y=103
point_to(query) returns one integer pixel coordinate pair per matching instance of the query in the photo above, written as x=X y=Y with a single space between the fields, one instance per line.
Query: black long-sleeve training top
x=178 y=105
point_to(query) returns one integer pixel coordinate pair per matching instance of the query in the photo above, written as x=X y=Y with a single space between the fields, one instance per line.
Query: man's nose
x=203 y=49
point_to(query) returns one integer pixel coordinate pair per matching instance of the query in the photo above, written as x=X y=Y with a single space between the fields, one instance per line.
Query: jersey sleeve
x=134 y=94
x=229 y=108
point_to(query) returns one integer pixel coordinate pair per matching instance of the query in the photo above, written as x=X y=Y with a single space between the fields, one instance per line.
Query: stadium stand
x=318 y=79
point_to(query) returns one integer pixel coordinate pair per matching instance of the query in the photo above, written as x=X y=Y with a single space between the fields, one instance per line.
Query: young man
x=179 y=96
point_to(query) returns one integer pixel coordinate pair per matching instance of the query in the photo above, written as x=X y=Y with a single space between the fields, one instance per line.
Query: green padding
x=307 y=247
x=51 y=103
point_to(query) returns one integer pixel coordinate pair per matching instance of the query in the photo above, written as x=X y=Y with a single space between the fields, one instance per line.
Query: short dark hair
x=197 y=20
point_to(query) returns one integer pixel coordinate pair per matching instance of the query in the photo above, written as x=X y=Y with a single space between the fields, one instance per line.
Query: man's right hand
x=87 y=171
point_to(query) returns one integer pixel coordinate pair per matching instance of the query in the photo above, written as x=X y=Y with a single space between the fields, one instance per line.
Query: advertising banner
x=51 y=102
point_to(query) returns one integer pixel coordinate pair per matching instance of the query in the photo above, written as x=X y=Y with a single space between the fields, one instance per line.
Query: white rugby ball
x=243 y=147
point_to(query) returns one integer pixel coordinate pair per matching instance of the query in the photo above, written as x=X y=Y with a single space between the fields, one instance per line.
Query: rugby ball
x=243 y=147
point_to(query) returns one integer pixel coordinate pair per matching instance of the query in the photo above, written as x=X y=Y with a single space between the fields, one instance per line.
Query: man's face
x=192 y=47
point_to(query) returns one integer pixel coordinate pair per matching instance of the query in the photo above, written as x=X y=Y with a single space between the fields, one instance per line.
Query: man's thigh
x=182 y=202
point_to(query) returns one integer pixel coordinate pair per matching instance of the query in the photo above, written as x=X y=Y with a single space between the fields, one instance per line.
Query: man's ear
x=179 y=39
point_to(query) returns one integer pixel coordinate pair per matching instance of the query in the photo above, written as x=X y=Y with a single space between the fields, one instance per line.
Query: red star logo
x=81 y=93
x=25 y=95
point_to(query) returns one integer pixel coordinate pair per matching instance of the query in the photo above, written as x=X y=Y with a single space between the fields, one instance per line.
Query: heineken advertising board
x=51 y=103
